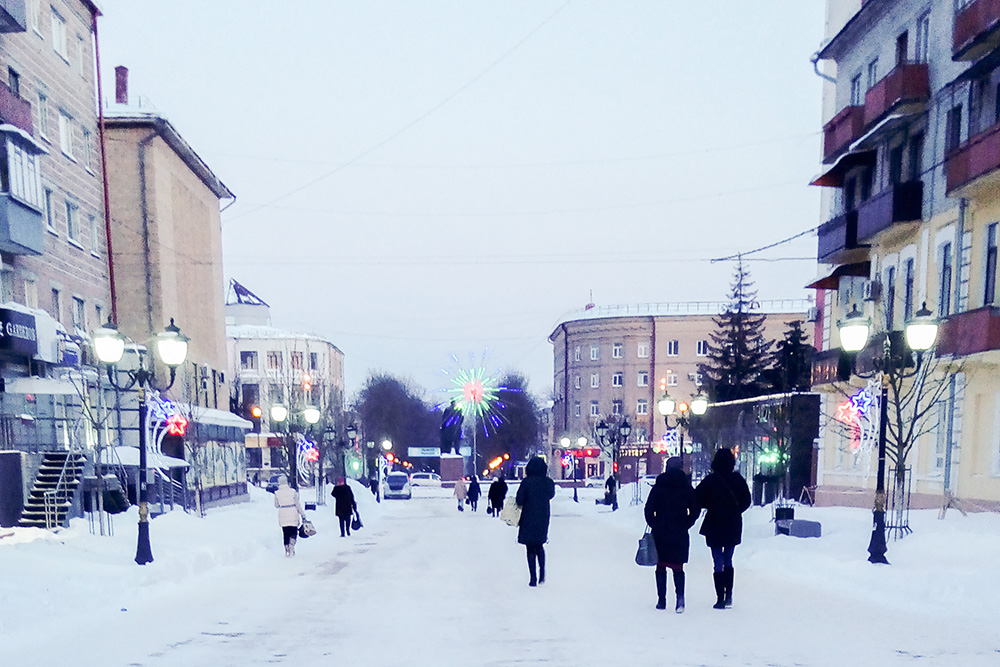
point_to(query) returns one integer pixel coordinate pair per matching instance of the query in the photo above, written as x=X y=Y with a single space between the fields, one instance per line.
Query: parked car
x=425 y=479
x=596 y=481
x=272 y=484
x=649 y=479
x=397 y=485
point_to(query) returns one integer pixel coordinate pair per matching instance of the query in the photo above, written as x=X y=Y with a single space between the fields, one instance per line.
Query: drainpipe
x=145 y=223
x=815 y=61
x=104 y=175
x=565 y=376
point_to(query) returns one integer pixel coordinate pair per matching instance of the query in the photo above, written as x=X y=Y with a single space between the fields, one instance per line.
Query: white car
x=649 y=479
x=425 y=479
x=597 y=481
x=397 y=485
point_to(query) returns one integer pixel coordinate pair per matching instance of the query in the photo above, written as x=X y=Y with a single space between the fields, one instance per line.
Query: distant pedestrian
x=373 y=485
x=286 y=499
x=474 y=493
x=497 y=494
x=725 y=496
x=611 y=492
x=462 y=493
x=344 y=505
x=533 y=496
x=671 y=510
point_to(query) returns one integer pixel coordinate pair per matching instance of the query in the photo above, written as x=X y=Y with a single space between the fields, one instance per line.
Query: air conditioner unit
x=812 y=314
x=871 y=290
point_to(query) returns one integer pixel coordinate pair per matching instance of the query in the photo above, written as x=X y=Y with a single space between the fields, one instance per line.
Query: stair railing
x=55 y=498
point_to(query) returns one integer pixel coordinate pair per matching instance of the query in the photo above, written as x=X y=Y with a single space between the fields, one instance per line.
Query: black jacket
x=345 y=504
x=474 y=490
x=725 y=496
x=497 y=492
x=533 y=496
x=670 y=511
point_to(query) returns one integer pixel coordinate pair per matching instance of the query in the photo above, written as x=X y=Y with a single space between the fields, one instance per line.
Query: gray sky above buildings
x=427 y=178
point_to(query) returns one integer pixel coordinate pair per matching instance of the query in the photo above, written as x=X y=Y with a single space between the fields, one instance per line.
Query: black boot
x=720 y=590
x=531 y=568
x=661 y=589
x=728 y=572
x=679 y=589
x=541 y=565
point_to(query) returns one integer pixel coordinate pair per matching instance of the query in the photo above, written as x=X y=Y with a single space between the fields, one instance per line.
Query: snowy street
x=424 y=584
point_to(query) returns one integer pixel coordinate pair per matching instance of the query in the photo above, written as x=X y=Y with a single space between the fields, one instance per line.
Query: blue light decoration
x=567 y=460
x=308 y=449
x=862 y=401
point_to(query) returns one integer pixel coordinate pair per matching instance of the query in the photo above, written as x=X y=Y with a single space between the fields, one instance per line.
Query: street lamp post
x=920 y=333
x=581 y=442
x=615 y=436
x=666 y=407
x=171 y=347
x=280 y=414
x=386 y=447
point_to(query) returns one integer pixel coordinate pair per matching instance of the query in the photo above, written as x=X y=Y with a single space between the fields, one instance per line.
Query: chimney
x=121 y=85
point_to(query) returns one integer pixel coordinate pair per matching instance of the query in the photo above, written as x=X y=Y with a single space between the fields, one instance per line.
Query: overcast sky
x=429 y=178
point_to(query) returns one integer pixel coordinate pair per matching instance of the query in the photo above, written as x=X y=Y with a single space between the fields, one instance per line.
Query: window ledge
x=95 y=254
x=75 y=243
x=52 y=230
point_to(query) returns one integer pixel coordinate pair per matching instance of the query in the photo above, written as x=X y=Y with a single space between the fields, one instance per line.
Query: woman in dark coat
x=725 y=496
x=344 y=506
x=671 y=510
x=497 y=494
x=533 y=496
x=474 y=492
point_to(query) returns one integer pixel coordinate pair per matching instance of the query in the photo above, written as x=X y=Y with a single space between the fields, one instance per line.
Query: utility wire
x=743 y=255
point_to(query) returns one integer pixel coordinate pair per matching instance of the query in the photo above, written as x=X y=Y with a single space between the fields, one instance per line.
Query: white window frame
x=56 y=304
x=95 y=236
x=671 y=379
x=617 y=379
x=617 y=407
x=88 y=150
x=31 y=12
x=642 y=350
x=577 y=383
x=31 y=292
x=81 y=49
x=702 y=348
x=48 y=211
x=595 y=380
x=66 y=134
x=79 y=313
x=59 y=35
x=595 y=409
x=576 y=408
x=642 y=379
x=922 y=51
x=595 y=352
x=23 y=174
x=43 y=115
x=642 y=407
x=576 y=353
x=673 y=348
x=73 y=223
x=617 y=351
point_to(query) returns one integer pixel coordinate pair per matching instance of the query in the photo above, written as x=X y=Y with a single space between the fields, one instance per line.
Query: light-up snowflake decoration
x=475 y=392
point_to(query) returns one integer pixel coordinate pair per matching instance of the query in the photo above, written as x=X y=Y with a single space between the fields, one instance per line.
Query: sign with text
x=423 y=452
x=17 y=333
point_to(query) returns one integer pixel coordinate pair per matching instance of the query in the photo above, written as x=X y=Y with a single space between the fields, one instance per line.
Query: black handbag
x=356 y=522
x=646 y=554
x=307 y=529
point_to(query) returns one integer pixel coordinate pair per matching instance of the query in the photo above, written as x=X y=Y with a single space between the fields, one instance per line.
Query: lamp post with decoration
x=681 y=412
x=171 y=348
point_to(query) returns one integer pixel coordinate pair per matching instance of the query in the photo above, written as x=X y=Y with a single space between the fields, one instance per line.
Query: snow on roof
x=261 y=331
x=682 y=308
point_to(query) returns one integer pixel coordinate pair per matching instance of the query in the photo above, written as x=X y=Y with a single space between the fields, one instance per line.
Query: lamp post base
x=143 y=551
x=877 y=547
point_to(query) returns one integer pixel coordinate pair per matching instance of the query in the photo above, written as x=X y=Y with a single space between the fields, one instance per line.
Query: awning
x=832 y=281
x=40 y=385
x=129 y=457
x=834 y=176
x=211 y=416
x=38 y=148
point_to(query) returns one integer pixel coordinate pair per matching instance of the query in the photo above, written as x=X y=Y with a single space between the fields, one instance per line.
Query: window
x=671 y=379
x=49 y=213
x=21 y=177
x=616 y=407
x=576 y=409
x=81 y=51
x=248 y=360
x=576 y=382
x=673 y=347
x=95 y=235
x=872 y=73
x=43 y=115
x=890 y=297
x=73 y=222
x=88 y=150
x=896 y=164
x=595 y=352
x=274 y=361
x=296 y=361
x=916 y=156
x=856 y=99
x=313 y=361
x=616 y=380
x=990 y=273
x=595 y=380
x=923 y=38
x=642 y=379
x=595 y=409
x=14 y=81
x=696 y=378
x=66 y=134
x=902 y=47
x=276 y=393
x=642 y=407
x=59 y=35
x=31 y=293
x=7 y=283
x=953 y=137
x=56 y=305
x=32 y=14
x=702 y=350
x=576 y=353
x=642 y=350
x=617 y=351
x=79 y=314
x=908 y=278
x=944 y=281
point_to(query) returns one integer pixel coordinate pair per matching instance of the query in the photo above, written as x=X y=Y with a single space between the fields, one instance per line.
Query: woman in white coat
x=286 y=499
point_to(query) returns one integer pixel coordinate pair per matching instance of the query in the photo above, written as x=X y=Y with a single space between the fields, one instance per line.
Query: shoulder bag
x=646 y=554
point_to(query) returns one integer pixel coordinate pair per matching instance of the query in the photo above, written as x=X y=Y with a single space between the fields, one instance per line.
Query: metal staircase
x=51 y=496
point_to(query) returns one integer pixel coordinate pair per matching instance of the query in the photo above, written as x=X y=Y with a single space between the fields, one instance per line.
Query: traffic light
x=663 y=385
x=255 y=418
x=306 y=383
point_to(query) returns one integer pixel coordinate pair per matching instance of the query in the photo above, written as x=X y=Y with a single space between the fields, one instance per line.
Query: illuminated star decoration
x=176 y=424
x=475 y=392
x=862 y=401
x=847 y=413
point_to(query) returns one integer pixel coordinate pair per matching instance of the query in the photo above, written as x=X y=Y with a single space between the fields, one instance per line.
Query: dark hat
x=675 y=463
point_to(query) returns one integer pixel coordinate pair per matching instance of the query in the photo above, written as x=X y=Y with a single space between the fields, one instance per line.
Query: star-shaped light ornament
x=176 y=424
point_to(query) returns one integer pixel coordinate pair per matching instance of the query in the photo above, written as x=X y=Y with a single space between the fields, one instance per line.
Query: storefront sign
x=17 y=333
x=423 y=452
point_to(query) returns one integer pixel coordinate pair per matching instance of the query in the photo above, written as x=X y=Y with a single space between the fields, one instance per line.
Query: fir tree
x=738 y=354
x=792 y=370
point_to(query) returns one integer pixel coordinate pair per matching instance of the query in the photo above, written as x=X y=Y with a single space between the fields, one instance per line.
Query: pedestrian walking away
x=474 y=493
x=344 y=505
x=462 y=493
x=497 y=494
x=533 y=496
x=724 y=495
x=290 y=511
x=611 y=492
x=671 y=510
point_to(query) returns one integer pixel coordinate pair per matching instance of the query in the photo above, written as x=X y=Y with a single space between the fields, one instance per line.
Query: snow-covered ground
x=423 y=584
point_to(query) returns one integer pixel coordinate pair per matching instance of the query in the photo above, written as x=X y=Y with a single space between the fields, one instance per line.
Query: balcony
x=21 y=231
x=14 y=110
x=905 y=86
x=842 y=129
x=970 y=332
x=838 y=241
x=13 y=16
x=830 y=366
x=976 y=31
x=979 y=156
x=901 y=202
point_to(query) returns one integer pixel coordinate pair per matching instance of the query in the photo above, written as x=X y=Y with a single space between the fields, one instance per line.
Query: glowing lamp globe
x=172 y=345
x=699 y=404
x=854 y=331
x=922 y=330
x=665 y=406
x=387 y=445
x=311 y=415
x=109 y=345
x=279 y=413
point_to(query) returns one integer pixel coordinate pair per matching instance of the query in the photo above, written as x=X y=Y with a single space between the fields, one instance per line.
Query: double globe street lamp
x=668 y=408
x=920 y=334
x=279 y=414
x=171 y=348
x=614 y=436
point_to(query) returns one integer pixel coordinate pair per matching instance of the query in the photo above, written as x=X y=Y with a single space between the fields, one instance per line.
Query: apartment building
x=911 y=165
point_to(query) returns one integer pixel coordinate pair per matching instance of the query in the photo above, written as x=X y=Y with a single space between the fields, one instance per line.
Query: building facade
x=609 y=361
x=912 y=172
